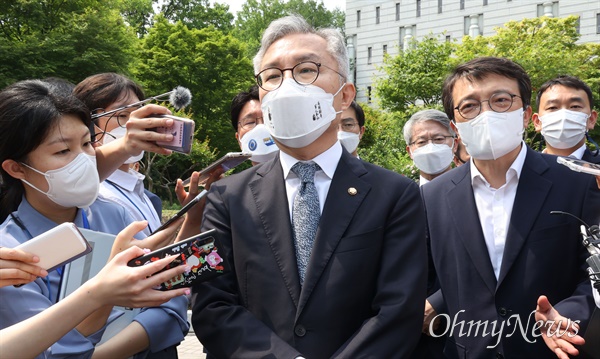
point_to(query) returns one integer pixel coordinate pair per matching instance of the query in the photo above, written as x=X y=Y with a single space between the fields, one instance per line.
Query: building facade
x=374 y=28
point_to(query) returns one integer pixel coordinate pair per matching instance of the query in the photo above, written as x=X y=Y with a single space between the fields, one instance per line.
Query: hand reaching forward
x=559 y=333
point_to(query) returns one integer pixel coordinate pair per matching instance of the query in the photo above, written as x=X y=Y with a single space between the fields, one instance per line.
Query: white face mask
x=259 y=143
x=296 y=115
x=433 y=158
x=349 y=140
x=491 y=135
x=74 y=185
x=115 y=134
x=564 y=128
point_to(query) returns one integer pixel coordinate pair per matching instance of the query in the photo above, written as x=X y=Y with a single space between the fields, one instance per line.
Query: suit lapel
x=463 y=210
x=271 y=203
x=338 y=212
x=531 y=193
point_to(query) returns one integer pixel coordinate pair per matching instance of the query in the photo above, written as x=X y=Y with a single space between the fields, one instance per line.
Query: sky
x=236 y=5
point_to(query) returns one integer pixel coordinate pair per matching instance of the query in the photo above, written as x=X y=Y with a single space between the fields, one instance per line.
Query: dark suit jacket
x=543 y=256
x=156 y=202
x=364 y=291
x=590 y=156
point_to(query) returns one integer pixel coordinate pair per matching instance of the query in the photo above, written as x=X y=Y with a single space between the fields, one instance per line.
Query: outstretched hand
x=559 y=333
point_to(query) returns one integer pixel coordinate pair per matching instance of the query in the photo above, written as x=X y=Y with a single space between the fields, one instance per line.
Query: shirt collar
x=327 y=160
x=514 y=170
x=578 y=153
x=127 y=180
x=422 y=180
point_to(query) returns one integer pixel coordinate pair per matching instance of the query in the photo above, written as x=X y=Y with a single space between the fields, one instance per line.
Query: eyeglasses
x=121 y=116
x=304 y=73
x=248 y=123
x=499 y=102
x=348 y=124
x=437 y=139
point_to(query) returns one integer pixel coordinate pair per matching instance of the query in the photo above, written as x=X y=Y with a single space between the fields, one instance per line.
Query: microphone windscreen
x=180 y=97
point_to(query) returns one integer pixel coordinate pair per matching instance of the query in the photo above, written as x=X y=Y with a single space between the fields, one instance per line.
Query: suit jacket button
x=502 y=311
x=300 y=330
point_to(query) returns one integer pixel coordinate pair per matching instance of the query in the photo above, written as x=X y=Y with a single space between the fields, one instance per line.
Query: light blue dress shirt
x=165 y=325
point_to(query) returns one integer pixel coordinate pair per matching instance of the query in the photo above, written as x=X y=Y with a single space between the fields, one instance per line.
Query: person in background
x=125 y=187
x=117 y=284
x=565 y=115
x=498 y=253
x=251 y=132
x=352 y=128
x=431 y=143
x=308 y=279
x=49 y=176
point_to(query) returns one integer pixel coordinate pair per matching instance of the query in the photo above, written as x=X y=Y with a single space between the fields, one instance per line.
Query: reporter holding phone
x=49 y=176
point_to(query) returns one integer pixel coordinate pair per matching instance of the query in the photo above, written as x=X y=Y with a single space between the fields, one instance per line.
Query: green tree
x=415 y=75
x=206 y=61
x=68 y=39
x=198 y=14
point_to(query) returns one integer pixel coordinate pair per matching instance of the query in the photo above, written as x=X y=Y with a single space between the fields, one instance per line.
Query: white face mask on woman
x=115 y=134
x=491 y=135
x=74 y=185
x=564 y=128
x=296 y=115
x=433 y=158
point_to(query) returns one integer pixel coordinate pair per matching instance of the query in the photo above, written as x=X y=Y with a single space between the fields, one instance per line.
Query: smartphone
x=182 y=131
x=62 y=244
x=182 y=211
x=580 y=165
x=200 y=253
x=227 y=162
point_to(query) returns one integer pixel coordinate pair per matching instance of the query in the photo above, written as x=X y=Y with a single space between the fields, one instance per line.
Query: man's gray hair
x=426 y=115
x=295 y=24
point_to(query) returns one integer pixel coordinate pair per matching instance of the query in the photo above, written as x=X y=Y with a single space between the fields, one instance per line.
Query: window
x=418 y=8
x=598 y=23
x=369 y=55
x=447 y=38
x=473 y=25
x=485 y=2
x=377 y=13
x=548 y=9
x=397 y=11
x=357 y=18
x=439 y=6
x=384 y=50
x=462 y=4
x=368 y=94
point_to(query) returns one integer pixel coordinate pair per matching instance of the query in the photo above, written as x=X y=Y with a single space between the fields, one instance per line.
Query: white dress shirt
x=422 y=180
x=328 y=162
x=127 y=190
x=494 y=207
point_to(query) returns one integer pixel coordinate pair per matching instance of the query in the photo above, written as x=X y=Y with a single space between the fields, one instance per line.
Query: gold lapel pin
x=352 y=191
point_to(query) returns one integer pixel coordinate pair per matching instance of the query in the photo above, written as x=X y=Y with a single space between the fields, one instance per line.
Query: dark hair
x=28 y=112
x=360 y=114
x=567 y=81
x=60 y=86
x=101 y=90
x=239 y=101
x=478 y=69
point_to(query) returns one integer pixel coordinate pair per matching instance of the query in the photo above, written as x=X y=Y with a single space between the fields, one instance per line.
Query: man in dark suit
x=565 y=115
x=498 y=252
x=358 y=293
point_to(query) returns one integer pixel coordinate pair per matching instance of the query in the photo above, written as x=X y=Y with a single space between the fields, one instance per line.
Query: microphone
x=179 y=98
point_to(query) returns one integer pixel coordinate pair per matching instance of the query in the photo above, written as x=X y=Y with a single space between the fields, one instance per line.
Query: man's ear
x=527 y=116
x=591 y=122
x=237 y=137
x=348 y=94
x=408 y=150
x=537 y=123
x=361 y=132
x=14 y=169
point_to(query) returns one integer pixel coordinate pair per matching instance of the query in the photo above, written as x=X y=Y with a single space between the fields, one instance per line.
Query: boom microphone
x=179 y=98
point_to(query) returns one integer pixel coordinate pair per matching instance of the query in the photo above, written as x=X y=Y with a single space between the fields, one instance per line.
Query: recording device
x=591 y=241
x=62 y=244
x=182 y=131
x=179 y=98
x=227 y=162
x=182 y=211
x=199 y=253
x=580 y=165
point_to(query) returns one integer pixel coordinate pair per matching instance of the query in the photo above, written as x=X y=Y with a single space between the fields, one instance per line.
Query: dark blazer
x=364 y=291
x=590 y=156
x=543 y=256
x=156 y=202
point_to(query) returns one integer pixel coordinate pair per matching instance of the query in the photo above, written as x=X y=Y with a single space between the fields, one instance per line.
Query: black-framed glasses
x=499 y=102
x=422 y=141
x=348 y=124
x=120 y=116
x=249 y=122
x=304 y=73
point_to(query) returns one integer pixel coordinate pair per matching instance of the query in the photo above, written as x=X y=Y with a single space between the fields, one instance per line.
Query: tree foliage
x=198 y=14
